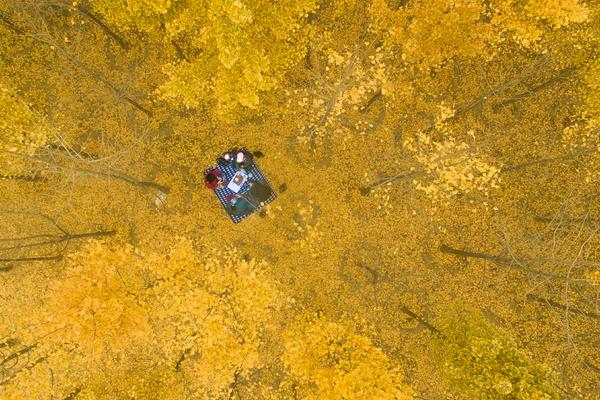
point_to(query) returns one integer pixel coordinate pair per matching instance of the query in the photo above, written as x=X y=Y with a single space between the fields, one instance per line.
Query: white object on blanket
x=238 y=180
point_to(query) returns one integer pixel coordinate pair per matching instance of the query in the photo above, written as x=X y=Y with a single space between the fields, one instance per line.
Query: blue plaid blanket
x=254 y=174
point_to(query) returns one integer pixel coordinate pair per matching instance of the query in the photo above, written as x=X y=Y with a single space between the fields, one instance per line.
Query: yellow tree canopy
x=140 y=320
x=21 y=129
x=481 y=361
x=330 y=360
x=236 y=50
x=431 y=32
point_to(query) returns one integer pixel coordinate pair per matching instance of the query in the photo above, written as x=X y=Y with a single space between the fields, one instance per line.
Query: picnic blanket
x=254 y=174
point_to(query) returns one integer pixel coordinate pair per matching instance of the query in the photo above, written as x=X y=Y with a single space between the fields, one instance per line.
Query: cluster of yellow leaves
x=330 y=360
x=342 y=7
x=140 y=15
x=21 y=130
x=594 y=277
x=481 y=361
x=527 y=21
x=451 y=168
x=216 y=311
x=348 y=80
x=98 y=302
x=137 y=379
x=584 y=134
x=141 y=318
x=242 y=48
x=557 y=13
x=591 y=94
x=383 y=195
x=307 y=224
x=430 y=32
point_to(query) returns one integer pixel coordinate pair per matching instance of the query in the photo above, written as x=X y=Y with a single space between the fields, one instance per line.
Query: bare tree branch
x=337 y=92
x=91 y=172
x=16 y=354
x=88 y=70
x=73 y=394
x=44 y=241
x=561 y=76
x=27 y=259
x=552 y=303
x=521 y=264
x=120 y=41
x=401 y=176
x=420 y=320
x=563 y=157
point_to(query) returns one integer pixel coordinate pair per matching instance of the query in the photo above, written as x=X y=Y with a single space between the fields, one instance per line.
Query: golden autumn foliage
x=427 y=155
x=526 y=22
x=451 y=168
x=22 y=131
x=145 y=16
x=332 y=360
x=99 y=304
x=437 y=31
x=482 y=361
x=237 y=50
x=128 y=314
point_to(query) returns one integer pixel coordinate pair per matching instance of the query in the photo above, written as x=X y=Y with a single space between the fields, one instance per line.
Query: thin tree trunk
x=84 y=171
x=73 y=394
x=509 y=168
x=16 y=354
x=10 y=25
x=559 y=306
x=24 y=178
x=66 y=237
x=376 y=96
x=565 y=157
x=29 y=367
x=120 y=41
x=91 y=72
x=543 y=218
x=180 y=54
x=8 y=343
x=562 y=75
x=421 y=321
x=460 y=111
x=60 y=239
x=26 y=259
x=69 y=152
x=339 y=89
x=403 y=175
x=519 y=263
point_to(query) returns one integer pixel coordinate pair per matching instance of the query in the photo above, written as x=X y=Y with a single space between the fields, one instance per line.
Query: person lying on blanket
x=240 y=159
x=238 y=205
x=243 y=160
x=213 y=179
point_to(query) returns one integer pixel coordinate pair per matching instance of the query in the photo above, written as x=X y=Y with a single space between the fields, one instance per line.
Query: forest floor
x=367 y=226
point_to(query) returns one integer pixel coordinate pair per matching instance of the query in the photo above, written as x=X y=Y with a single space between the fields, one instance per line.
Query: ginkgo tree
x=480 y=360
x=118 y=315
x=22 y=131
x=431 y=32
x=331 y=360
x=235 y=51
